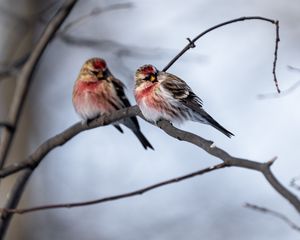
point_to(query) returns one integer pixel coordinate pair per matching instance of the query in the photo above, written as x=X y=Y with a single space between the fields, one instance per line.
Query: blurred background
x=229 y=69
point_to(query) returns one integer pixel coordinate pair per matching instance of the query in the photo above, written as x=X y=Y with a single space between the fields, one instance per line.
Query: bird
x=97 y=92
x=162 y=95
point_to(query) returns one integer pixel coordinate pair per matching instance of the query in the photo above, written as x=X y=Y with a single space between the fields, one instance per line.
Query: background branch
x=116 y=197
x=282 y=93
x=273 y=213
x=192 y=42
x=25 y=76
x=23 y=84
x=94 y=12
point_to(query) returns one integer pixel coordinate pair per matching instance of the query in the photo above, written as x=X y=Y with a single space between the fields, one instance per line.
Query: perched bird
x=97 y=91
x=162 y=95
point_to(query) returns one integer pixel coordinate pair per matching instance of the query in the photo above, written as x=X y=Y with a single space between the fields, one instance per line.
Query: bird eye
x=94 y=72
x=150 y=77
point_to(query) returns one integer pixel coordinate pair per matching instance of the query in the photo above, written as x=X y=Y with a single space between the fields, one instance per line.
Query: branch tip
x=271 y=161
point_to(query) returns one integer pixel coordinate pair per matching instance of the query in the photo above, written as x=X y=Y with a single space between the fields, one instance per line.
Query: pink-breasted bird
x=162 y=95
x=97 y=91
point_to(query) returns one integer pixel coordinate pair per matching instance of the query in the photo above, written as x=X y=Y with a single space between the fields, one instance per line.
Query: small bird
x=97 y=92
x=162 y=95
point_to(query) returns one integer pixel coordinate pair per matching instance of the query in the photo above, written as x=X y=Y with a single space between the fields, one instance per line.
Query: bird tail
x=133 y=125
x=117 y=126
x=146 y=144
x=206 y=118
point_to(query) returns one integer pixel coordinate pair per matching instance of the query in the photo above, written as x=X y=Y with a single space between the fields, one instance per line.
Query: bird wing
x=119 y=86
x=181 y=91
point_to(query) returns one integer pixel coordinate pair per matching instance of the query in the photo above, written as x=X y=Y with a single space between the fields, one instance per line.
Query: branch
x=25 y=77
x=273 y=213
x=115 y=197
x=12 y=69
x=208 y=146
x=192 y=42
x=23 y=84
x=282 y=93
x=34 y=159
x=94 y=12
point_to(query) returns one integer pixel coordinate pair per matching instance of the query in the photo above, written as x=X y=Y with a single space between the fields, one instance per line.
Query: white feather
x=87 y=109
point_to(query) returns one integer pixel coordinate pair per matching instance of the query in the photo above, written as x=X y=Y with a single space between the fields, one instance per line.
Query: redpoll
x=161 y=95
x=97 y=91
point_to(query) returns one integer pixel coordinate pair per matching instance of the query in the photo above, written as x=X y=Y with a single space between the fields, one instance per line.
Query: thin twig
x=192 y=42
x=94 y=12
x=275 y=56
x=275 y=214
x=115 y=197
x=283 y=93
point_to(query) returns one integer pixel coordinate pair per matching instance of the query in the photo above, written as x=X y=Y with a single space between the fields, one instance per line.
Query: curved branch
x=115 y=197
x=274 y=213
x=192 y=42
x=283 y=93
x=95 y=12
x=34 y=159
x=208 y=146
x=24 y=79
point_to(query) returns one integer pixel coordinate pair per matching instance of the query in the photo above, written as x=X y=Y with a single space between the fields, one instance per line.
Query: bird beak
x=152 y=78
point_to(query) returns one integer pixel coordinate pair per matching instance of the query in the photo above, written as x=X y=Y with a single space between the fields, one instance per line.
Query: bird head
x=97 y=68
x=146 y=73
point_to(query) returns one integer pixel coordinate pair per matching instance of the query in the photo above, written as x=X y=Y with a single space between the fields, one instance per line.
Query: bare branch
x=95 y=12
x=192 y=42
x=264 y=168
x=273 y=213
x=23 y=84
x=34 y=159
x=282 y=93
x=24 y=78
x=116 y=197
